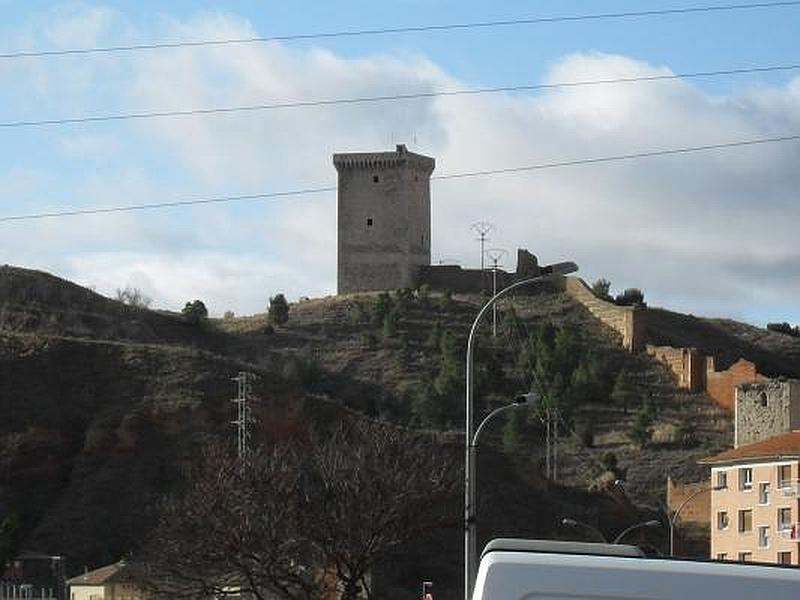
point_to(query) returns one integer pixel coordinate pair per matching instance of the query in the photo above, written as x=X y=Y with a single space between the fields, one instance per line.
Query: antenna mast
x=482 y=229
x=495 y=255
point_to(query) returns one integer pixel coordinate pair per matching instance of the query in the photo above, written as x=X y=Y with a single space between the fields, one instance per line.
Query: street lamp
x=674 y=518
x=649 y=524
x=470 y=550
x=567 y=522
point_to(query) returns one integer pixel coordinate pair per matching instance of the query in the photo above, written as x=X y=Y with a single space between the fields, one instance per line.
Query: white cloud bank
x=711 y=233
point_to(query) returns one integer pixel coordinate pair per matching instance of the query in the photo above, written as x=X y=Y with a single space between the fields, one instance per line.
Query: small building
x=118 y=581
x=33 y=576
x=755 y=501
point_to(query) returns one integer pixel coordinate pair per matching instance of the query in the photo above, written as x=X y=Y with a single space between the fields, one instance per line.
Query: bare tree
x=371 y=489
x=133 y=296
x=305 y=519
x=234 y=531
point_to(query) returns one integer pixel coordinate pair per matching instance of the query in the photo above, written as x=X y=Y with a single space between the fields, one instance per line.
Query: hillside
x=103 y=405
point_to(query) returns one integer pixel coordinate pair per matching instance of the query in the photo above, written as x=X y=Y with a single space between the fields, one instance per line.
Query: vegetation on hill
x=105 y=405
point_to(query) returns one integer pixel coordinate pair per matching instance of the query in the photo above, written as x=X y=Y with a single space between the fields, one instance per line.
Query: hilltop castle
x=384 y=227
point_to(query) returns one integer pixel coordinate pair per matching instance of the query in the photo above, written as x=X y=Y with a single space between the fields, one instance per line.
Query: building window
x=784 y=519
x=722 y=556
x=722 y=479
x=722 y=520
x=763 y=536
x=745 y=521
x=763 y=493
x=746 y=479
x=784 y=558
x=784 y=476
x=375 y=179
x=369 y=221
x=762 y=399
x=745 y=556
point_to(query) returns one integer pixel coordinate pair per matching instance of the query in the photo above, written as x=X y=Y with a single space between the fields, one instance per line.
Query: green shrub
x=642 y=430
x=602 y=289
x=585 y=431
x=195 y=312
x=784 y=328
x=686 y=435
x=630 y=297
x=390 y=325
x=381 y=308
x=278 y=312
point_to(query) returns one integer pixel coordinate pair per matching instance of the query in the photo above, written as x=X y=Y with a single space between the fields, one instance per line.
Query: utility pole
x=495 y=255
x=482 y=228
x=244 y=417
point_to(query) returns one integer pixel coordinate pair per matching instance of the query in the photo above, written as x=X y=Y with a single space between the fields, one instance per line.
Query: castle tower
x=384 y=219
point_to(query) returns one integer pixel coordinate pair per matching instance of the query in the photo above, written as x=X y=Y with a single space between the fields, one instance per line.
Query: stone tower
x=384 y=219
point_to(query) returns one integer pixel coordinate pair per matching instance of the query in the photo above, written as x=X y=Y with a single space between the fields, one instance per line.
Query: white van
x=547 y=570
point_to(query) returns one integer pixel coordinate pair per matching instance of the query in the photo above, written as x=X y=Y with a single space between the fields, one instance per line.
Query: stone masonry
x=766 y=409
x=383 y=219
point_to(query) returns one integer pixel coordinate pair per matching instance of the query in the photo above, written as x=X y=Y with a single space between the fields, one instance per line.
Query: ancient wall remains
x=472 y=281
x=383 y=219
x=698 y=509
x=766 y=409
x=721 y=385
x=687 y=364
x=628 y=321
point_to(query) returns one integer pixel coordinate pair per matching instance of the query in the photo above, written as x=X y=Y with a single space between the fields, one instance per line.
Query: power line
x=409 y=29
x=394 y=97
x=462 y=175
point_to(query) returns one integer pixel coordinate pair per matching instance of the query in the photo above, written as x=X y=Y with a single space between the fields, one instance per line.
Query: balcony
x=790 y=531
x=789 y=488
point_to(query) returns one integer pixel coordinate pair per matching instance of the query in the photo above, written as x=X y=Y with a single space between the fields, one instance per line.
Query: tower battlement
x=401 y=157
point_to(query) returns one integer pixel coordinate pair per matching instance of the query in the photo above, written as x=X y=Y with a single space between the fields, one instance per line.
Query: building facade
x=383 y=219
x=755 y=501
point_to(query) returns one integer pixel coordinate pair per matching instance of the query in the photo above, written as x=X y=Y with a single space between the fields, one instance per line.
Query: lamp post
x=674 y=518
x=470 y=550
x=625 y=532
x=566 y=521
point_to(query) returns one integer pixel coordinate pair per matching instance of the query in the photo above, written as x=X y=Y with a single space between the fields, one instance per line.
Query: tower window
x=375 y=179
x=369 y=221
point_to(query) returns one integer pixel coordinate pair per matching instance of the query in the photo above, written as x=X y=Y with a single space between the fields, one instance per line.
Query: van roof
x=561 y=547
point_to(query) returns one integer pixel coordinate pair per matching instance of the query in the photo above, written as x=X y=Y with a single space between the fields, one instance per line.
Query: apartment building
x=755 y=501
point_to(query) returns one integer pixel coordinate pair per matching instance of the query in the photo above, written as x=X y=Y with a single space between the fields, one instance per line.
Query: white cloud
x=711 y=233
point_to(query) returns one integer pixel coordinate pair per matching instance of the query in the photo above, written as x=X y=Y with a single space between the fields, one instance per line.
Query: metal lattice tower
x=495 y=255
x=244 y=416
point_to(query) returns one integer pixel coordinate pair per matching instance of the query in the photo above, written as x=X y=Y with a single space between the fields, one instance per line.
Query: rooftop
x=786 y=445
x=117 y=572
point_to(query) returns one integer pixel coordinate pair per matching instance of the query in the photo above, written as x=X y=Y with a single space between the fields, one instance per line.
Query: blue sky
x=712 y=234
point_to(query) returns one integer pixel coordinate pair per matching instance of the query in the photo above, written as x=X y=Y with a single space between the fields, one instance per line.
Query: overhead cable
x=713 y=8
x=393 y=97
x=451 y=176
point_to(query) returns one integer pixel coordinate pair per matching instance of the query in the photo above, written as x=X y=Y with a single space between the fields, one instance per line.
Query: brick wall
x=698 y=509
x=721 y=385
